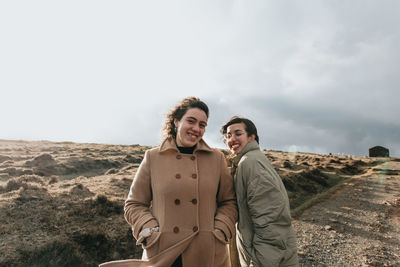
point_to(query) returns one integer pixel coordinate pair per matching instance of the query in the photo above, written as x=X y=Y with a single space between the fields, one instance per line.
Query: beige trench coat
x=188 y=196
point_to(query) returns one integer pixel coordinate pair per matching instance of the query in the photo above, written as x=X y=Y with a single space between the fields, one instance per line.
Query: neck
x=186 y=150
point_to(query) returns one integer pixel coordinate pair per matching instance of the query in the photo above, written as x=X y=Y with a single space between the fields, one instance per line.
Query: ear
x=252 y=137
x=176 y=122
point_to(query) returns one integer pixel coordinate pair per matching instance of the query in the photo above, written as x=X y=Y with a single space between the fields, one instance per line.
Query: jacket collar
x=169 y=143
x=253 y=145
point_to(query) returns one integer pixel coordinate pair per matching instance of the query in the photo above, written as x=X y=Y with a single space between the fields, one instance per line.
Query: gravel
x=358 y=226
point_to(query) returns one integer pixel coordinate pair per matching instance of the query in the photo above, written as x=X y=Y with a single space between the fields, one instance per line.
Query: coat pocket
x=221 y=254
x=274 y=238
x=219 y=235
x=268 y=252
x=152 y=244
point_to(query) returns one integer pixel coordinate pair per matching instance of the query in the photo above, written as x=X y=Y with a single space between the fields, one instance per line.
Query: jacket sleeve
x=267 y=204
x=226 y=214
x=137 y=205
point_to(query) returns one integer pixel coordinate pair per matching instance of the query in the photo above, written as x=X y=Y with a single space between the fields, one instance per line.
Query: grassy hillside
x=61 y=204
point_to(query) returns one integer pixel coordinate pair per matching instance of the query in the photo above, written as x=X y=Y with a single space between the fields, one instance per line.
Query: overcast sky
x=314 y=76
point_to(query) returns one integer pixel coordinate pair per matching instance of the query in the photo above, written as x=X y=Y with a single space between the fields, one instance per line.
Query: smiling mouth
x=235 y=146
x=193 y=136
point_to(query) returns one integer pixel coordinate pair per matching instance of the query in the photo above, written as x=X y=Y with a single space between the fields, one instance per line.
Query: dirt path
x=357 y=226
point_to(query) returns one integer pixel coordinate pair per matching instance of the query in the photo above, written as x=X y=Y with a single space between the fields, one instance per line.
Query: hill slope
x=61 y=204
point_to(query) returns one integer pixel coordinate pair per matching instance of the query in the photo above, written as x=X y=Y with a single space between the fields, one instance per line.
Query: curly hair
x=169 y=130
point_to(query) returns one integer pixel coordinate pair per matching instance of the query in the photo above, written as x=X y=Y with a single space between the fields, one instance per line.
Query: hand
x=145 y=233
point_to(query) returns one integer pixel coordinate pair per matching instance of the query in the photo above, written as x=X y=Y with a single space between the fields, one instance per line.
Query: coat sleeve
x=137 y=205
x=226 y=214
x=267 y=205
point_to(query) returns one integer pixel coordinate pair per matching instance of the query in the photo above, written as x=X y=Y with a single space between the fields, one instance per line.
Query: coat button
x=177 y=202
x=194 y=176
x=194 y=201
x=192 y=157
x=178 y=156
x=176 y=229
x=177 y=176
x=195 y=229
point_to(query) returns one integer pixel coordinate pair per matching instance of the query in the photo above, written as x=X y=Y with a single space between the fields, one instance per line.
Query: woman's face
x=236 y=137
x=190 y=129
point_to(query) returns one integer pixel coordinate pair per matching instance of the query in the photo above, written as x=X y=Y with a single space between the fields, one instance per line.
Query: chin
x=237 y=151
x=190 y=143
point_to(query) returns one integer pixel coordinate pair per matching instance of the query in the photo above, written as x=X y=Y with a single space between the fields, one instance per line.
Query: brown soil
x=357 y=226
x=61 y=204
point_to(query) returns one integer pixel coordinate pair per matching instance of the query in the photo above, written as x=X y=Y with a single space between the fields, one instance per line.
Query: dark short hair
x=250 y=127
x=179 y=111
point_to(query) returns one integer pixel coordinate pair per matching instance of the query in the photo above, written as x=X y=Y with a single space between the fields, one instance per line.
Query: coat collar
x=169 y=143
x=253 y=145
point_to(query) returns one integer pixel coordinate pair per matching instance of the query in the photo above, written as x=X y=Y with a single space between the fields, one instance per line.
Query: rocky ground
x=61 y=204
x=357 y=226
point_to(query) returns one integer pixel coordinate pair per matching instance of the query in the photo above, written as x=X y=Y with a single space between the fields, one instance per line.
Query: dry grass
x=61 y=204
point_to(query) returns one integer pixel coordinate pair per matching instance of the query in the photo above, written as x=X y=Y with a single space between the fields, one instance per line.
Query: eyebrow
x=236 y=131
x=193 y=118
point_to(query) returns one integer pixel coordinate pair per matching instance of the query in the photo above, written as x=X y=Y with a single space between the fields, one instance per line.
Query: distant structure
x=378 y=151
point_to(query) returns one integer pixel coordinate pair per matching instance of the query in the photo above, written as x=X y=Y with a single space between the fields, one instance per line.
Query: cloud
x=315 y=76
x=324 y=79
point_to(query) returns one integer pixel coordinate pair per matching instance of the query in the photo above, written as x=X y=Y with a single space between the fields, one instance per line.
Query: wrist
x=145 y=233
x=219 y=230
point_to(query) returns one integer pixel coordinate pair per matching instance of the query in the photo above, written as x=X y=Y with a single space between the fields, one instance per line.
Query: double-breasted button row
x=180 y=156
x=176 y=229
x=179 y=176
x=178 y=201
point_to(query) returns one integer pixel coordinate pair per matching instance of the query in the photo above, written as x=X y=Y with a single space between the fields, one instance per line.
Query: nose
x=196 y=127
x=229 y=139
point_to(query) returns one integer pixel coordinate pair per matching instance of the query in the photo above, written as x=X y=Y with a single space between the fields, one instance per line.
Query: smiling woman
x=190 y=128
x=181 y=204
x=187 y=122
x=265 y=234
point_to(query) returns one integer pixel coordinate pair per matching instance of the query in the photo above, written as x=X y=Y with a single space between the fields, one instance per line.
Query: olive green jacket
x=265 y=236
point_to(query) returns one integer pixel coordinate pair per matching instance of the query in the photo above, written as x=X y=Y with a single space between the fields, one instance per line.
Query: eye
x=203 y=125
